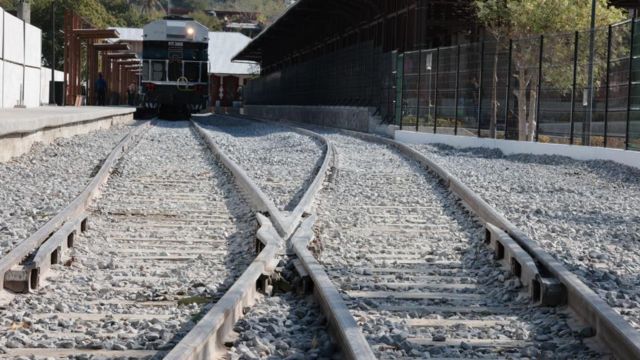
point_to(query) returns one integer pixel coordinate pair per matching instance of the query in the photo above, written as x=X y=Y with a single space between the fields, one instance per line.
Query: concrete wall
x=1 y=83
x=13 y=39
x=45 y=77
x=21 y=44
x=32 y=86
x=12 y=81
x=351 y=118
x=1 y=36
x=630 y=158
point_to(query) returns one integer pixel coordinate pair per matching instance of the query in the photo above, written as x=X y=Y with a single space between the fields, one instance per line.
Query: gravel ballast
x=281 y=161
x=584 y=213
x=169 y=235
x=40 y=183
x=414 y=271
x=286 y=325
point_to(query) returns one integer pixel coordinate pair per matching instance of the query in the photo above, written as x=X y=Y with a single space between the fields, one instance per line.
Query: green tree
x=7 y=4
x=207 y=20
x=517 y=19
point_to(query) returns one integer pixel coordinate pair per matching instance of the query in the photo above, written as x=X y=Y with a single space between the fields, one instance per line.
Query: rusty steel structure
x=86 y=53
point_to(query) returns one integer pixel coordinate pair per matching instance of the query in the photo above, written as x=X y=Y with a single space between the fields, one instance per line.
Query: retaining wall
x=625 y=157
x=345 y=117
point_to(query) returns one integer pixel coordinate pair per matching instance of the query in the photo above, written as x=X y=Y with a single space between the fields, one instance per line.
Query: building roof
x=128 y=34
x=223 y=46
x=310 y=24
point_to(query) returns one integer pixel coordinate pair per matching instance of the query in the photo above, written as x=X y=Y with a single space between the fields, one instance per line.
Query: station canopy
x=310 y=21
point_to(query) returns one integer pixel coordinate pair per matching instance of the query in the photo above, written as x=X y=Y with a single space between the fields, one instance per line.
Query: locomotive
x=175 y=64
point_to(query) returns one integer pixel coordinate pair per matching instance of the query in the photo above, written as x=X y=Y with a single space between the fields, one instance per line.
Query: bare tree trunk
x=531 y=126
x=494 y=98
x=522 y=105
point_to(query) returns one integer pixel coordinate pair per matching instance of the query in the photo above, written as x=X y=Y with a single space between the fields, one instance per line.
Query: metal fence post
x=480 y=83
x=435 y=101
x=630 y=81
x=455 y=116
x=606 y=90
x=539 y=92
x=508 y=95
x=573 y=87
x=418 y=91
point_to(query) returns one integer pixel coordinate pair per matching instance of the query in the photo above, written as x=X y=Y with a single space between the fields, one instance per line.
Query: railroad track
x=434 y=271
x=405 y=268
x=169 y=235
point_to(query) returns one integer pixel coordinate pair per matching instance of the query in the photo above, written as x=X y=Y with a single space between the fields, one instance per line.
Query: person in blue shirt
x=101 y=89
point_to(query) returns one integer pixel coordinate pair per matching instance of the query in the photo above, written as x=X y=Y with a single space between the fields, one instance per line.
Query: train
x=175 y=67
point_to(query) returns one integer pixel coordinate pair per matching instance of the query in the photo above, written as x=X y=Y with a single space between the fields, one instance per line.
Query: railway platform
x=21 y=128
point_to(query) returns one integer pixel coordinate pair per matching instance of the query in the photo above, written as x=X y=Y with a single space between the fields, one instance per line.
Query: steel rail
x=206 y=340
x=610 y=327
x=201 y=343
x=25 y=277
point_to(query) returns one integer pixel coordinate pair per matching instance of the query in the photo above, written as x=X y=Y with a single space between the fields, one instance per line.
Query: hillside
x=136 y=13
x=139 y=12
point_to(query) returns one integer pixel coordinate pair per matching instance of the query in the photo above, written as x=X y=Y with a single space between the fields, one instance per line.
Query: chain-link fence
x=534 y=89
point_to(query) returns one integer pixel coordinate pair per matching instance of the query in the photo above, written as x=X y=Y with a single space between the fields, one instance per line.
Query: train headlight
x=190 y=31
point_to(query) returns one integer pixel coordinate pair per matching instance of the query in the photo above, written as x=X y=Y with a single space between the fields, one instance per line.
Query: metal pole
x=573 y=87
x=586 y=125
x=52 y=84
x=606 y=90
x=539 y=91
x=508 y=95
x=435 y=101
x=418 y=93
x=630 y=81
x=480 y=86
x=455 y=116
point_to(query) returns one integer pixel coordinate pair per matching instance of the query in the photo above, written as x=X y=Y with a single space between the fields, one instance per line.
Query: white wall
x=1 y=56
x=1 y=83
x=629 y=158
x=33 y=51
x=12 y=81
x=32 y=87
x=13 y=39
x=45 y=77
x=1 y=35
x=22 y=44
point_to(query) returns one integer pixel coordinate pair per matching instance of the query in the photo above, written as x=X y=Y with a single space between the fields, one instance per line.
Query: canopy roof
x=310 y=24
x=223 y=46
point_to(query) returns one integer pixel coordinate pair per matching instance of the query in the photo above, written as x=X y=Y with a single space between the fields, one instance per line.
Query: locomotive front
x=175 y=58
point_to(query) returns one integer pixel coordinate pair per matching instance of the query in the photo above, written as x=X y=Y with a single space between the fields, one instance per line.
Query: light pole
x=586 y=124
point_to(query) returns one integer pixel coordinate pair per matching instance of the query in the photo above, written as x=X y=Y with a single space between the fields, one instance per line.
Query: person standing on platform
x=131 y=94
x=101 y=90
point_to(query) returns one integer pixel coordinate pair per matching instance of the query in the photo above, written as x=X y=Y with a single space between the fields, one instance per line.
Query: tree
x=7 y=4
x=517 y=19
x=207 y=20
